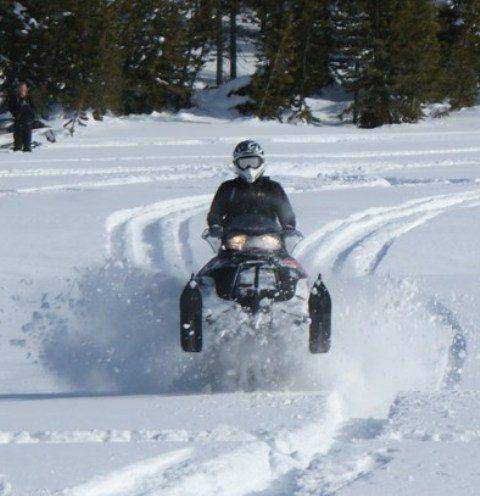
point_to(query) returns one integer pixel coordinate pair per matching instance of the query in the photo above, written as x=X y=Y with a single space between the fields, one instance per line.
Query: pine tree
x=164 y=45
x=15 y=35
x=415 y=59
x=361 y=60
x=272 y=85
x=460 y=42
x=75 y=54
x=387 y=56
x=293 y=48
x=352 y=49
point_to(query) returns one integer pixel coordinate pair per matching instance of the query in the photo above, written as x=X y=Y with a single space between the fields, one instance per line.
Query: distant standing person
x=23 y=112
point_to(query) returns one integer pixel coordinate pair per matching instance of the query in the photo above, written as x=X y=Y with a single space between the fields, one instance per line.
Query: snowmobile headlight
x=236 y=242
x=271 y=242
x=267 y=242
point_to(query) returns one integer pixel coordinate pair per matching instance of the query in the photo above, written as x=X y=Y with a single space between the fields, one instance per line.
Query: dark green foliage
x=164 y=44
x=83 y=46
x=69 y=54
x=460 y=42
x=293 y=50
x=15 y=31
x=387 y=56
x=125 y=56
x=415 y=53
x=353 y=54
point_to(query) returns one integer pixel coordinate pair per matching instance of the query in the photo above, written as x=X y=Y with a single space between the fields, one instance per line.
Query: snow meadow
x=100 y=231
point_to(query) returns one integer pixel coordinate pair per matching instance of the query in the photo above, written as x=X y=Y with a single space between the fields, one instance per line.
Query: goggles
x=244 y=163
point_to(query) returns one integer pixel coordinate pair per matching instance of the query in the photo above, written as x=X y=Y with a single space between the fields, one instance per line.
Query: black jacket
x=265 y=198
x=22 y=110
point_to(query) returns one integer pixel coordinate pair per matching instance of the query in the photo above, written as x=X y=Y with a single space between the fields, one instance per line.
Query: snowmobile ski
x=320 y=312
x=191 y=317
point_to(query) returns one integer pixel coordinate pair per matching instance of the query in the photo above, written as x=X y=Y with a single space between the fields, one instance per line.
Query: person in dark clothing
x=23 y=111
x=249 y=193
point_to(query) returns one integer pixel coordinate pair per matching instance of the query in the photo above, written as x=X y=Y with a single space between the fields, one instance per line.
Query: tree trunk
x=233 y=39
x=356 y=94
x=219 y=43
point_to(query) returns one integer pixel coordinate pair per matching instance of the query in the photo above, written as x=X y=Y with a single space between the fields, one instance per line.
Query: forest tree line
x=134 y=56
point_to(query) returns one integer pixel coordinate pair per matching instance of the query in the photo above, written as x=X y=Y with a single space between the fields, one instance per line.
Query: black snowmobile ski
x=191 y=308
x=320 y=313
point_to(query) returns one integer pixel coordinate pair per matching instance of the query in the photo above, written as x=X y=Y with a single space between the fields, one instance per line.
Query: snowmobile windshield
x=252 y=225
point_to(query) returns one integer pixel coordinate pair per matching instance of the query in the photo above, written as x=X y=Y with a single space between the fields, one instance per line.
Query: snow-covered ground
x=100 y=232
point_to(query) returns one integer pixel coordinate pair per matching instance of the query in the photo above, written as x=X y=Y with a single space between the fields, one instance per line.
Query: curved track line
x=370 y=233
x=173 y=237
x=76 y=187
x=153 y=236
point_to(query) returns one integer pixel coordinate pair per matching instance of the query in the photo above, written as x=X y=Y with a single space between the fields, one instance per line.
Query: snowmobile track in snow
x=155 y=236
x=363 y=239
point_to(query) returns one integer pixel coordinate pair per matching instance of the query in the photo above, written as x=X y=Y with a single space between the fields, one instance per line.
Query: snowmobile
x=255 y=272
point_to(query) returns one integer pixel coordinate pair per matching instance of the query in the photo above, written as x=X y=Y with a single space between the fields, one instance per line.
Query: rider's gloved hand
x=215 y=231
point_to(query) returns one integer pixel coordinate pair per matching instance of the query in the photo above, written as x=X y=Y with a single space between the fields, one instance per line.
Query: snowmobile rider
x=249 y=193
x=23 y=111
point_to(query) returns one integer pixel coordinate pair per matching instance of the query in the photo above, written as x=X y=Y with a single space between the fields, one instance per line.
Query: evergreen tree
x=460 y=42
x=415 y=59
x=392 y=56
x=272 y=85
x=313 y=45
x=293 y=47
x=15 y=36
x=164 y=44
x=352 y=52
x=387 y=56
x=74 y=54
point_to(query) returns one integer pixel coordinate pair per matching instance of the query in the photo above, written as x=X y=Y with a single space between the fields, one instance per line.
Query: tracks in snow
x=155 y=237
x=363 y=240
x=96 y=436
x=267 y=458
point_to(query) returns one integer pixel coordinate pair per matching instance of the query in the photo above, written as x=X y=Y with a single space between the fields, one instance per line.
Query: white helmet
x=249 y=161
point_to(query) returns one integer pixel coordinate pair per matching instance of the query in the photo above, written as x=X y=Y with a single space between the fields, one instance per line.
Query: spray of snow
x=116 y=329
